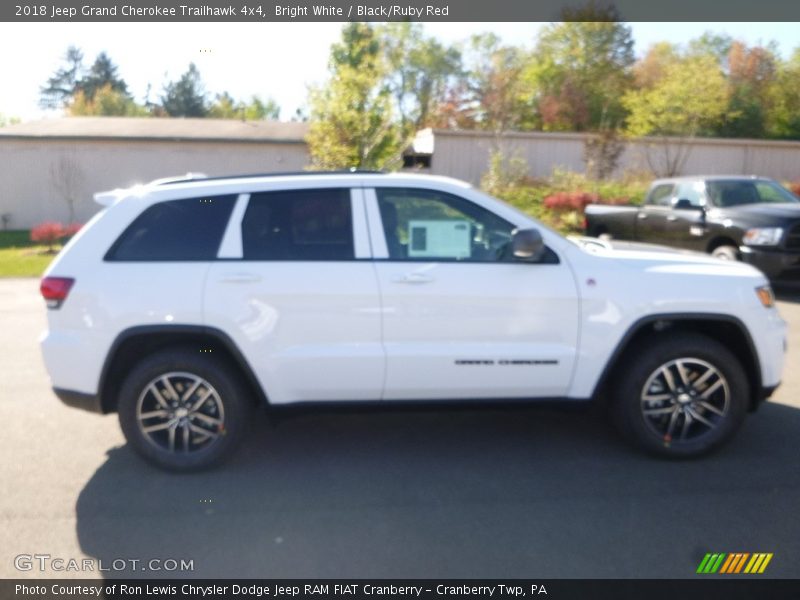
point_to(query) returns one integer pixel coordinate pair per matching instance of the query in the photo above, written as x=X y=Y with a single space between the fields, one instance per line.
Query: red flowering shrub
x=48 y=233
x=566 y=201
x=72 y=229
x=577 y=201
x=795 y=188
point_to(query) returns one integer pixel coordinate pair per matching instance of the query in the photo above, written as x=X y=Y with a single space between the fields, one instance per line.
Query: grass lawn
x=19 y=257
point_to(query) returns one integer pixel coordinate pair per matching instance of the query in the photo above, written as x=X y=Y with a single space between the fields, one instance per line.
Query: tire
x=162 y=408
x=655 y=410
x=725 y=253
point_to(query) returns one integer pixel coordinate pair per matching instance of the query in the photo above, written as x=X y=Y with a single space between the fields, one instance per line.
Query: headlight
x=766 y=296
x=763 y=236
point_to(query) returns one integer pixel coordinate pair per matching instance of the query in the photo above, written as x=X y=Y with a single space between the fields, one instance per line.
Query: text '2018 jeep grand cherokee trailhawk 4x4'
x=184 y=304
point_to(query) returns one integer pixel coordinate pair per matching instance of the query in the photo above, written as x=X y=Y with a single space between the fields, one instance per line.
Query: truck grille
x=793 y=238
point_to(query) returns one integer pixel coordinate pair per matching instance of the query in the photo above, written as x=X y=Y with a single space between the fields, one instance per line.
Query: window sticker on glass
x=439 y=239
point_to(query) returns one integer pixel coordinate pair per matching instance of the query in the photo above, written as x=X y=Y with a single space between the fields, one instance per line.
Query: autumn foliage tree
x=751 y=75
x=580 y=70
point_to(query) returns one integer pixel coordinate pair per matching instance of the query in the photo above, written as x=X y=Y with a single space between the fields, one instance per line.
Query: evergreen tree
x=185 y=97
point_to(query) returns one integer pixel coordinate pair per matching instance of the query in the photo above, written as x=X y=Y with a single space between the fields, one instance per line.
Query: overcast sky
x=277 y=60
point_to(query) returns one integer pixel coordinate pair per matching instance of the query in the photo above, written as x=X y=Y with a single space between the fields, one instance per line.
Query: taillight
x=55 y=290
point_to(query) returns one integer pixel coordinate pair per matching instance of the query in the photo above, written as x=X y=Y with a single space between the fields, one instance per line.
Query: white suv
x=185 y=303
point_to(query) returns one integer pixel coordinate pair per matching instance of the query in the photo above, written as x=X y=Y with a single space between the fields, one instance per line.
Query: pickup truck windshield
x=726 y=193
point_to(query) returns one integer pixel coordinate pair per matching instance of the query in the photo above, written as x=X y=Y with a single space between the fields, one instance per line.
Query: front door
x=461 y=317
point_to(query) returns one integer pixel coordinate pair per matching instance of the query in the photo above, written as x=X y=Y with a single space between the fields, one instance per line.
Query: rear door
x=295 y=287
x=461 y=317
x=651 y=221
x=685 y=225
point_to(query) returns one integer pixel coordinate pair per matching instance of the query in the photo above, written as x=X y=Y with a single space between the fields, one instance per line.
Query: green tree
x=259 y=109
x=712 y=44
x=783 y=118
x=185 y=97
x=494 y=94
x=226 y=107
x=107 y=102
x=102 y=74
x=580 y=70
x=74 y=88
x=690 y=99
x=649 y=70
x=421 y=72
x=351 y=121
x=62 y=85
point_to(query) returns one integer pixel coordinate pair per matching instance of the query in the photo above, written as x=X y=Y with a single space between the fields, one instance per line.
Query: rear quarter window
x=175 y=230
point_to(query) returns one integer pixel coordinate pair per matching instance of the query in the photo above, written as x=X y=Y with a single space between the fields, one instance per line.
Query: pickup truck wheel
x=725 y=253
x=183 y=411
x=681 y=397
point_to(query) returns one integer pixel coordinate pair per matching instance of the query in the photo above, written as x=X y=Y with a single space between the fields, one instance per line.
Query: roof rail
x=202 y=177
x=178 y=178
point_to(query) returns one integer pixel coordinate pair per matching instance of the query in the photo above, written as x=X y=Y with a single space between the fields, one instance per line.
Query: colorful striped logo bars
x=737 y=562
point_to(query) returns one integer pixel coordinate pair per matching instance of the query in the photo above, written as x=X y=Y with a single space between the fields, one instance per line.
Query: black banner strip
x=378 y=11
x=733 y=588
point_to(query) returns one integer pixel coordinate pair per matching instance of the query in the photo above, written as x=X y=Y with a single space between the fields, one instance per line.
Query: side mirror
x=684 y=204
x=527 y=244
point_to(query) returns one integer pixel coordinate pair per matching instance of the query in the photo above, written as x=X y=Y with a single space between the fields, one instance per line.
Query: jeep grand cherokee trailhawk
x=186 y=303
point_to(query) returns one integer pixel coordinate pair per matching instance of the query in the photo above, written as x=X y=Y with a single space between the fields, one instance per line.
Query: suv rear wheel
x=182 y=410
x=682 y=396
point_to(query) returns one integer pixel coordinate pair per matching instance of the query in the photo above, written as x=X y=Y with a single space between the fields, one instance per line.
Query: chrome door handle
x=672 y=218
x=641 y=215
x=240 y=278
x=414 y=278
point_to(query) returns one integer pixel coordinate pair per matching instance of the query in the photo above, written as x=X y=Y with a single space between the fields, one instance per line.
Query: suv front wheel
x=183 y=410
x=680 y=396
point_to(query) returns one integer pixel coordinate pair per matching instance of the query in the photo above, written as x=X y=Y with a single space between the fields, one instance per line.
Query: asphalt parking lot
x=528 y=492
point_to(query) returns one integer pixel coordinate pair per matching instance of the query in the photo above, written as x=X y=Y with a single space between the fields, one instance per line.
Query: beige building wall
x=465 y=155
x=38 y=175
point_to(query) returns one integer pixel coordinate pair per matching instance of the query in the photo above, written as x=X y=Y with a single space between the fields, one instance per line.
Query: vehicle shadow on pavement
x=521 y=492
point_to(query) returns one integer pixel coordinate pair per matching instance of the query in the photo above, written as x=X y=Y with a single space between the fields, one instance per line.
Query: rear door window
x=299 y=225
x=176 y=230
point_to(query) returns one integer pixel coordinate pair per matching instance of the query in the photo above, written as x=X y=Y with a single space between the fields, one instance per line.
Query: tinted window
x=429 y=225
x=732 y=193
x=189 y=229
x=299 y=225
x=660 y=195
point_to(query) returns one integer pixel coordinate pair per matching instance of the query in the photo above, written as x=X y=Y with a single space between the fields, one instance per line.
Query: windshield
x=724 y=193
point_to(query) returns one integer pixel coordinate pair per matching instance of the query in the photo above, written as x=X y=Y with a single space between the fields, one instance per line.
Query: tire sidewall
x=231 y=393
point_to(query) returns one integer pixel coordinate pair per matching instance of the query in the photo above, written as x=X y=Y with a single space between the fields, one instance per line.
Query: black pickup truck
x=735 y=218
